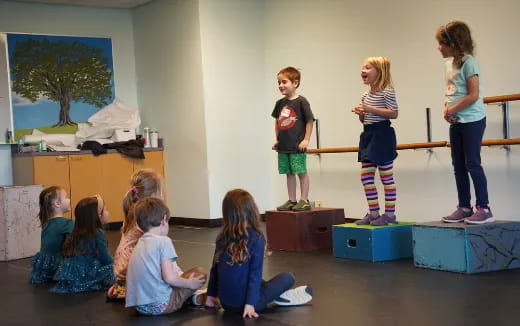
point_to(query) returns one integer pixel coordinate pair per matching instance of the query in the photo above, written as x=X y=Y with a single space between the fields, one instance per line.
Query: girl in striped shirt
x=377 y=143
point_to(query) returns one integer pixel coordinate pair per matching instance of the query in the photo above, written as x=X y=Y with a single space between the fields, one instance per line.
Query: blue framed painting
x=58 y=81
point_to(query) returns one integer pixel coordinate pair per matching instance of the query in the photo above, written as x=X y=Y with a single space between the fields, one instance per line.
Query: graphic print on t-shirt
x=287 y=118
x=452 y=89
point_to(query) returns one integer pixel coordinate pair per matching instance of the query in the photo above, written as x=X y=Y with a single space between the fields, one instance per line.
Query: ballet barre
x=486 y=142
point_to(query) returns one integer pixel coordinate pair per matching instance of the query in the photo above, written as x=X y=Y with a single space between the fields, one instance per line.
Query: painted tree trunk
x=64 y=113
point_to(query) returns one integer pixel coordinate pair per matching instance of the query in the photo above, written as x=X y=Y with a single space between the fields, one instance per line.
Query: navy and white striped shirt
x=384 y=99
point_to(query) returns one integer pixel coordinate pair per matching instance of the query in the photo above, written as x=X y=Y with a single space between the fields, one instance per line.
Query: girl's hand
x=450 y=117
x=303 y=145
x=359 y=110
x=275 y=145
x=367 y=108
x=249 y=311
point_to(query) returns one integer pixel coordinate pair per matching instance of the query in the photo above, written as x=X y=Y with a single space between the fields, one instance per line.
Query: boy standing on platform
x=293 y=129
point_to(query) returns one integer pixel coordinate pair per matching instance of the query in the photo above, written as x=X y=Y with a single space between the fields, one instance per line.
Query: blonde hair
x=382 y=65
x=144 y=183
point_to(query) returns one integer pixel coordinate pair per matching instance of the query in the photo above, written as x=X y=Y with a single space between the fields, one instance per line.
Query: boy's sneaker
x=384 y=219
x=481 y=216
x=295 y=297
x=303 y=205
x=458 y=215
x=287 y=206
x=199 y=297
x=367 y=219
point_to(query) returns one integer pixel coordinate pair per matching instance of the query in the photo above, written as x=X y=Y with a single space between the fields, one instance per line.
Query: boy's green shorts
x=292 y=163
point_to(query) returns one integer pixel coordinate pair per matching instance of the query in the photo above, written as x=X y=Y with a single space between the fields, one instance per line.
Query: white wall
x=171 y=99
x=328 y=41
x=207 y=81
x=236 y=111
x=77 y=21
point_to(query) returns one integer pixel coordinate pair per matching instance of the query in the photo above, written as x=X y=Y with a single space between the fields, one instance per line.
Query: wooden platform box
x=302 y=231
x=458 y=247
x=19 y=225
x=373 y=243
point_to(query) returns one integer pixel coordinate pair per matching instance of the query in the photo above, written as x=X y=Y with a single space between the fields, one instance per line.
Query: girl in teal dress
x=88 y=265
x=54 y=203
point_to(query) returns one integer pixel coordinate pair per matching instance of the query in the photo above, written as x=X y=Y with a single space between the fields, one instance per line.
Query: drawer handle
x=75 y=158
x=61 y=158
x=322 y=229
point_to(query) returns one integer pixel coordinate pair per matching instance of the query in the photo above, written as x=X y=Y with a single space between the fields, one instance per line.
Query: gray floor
x=346 y=292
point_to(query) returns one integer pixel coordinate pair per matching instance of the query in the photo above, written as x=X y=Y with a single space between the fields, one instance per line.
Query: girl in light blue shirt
x=465 y=111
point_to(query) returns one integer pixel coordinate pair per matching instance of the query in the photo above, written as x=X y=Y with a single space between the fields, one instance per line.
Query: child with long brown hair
x=465 y=111
x=88 y=264
x=144 y=183
x=54 y=203
x=236 y=274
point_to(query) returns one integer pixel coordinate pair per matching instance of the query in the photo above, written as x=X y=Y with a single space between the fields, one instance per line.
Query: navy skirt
x=377 y=143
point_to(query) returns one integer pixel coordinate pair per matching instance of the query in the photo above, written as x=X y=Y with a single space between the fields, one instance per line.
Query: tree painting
x=62 y=70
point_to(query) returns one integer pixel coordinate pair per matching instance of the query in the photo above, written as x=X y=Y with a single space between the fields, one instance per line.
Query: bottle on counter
x=154 y=139
x=20 y=145
x=146 y=136
x=42 y=146
x=9 y=136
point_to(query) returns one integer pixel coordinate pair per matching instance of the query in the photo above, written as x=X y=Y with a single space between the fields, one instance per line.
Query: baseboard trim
x=202 y=222
x=113 y=226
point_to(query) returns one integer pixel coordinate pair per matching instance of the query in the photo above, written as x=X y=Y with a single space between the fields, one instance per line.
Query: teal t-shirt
x=457 y=88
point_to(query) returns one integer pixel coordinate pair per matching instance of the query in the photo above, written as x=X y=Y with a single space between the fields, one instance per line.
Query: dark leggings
x=466 y=140
x=272 y=289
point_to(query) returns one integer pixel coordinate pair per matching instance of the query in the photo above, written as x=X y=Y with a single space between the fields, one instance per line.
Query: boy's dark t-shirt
x=292 y=117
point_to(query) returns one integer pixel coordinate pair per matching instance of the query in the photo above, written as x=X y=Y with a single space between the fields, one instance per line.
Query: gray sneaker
x=384 y=220
x=458 y=215
x=367 y=219
x=481 y=216
x=287 y=206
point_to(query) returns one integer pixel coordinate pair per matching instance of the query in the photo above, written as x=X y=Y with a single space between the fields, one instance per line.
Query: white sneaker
x=295 y=297
x=199 y=297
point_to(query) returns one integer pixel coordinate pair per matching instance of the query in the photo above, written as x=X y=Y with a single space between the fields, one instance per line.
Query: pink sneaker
x=481 y=216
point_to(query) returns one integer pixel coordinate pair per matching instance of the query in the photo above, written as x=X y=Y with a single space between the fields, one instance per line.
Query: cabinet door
x=52 y=170
x=85 y=177
x=152 y=160
x=117 y=171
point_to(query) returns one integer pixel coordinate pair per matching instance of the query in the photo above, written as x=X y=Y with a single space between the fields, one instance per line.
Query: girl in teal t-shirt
x=465 y=112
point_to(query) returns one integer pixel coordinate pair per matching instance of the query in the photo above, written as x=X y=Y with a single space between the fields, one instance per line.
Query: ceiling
x=93 y=3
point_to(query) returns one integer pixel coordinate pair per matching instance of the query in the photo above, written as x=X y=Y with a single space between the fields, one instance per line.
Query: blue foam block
x=465 y=248
x=372 y=243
